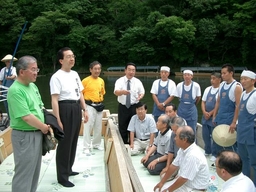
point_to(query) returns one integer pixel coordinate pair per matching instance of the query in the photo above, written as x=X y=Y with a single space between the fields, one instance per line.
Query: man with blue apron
x=163 y=91
x=7 y=77
x=189 y=93
x=246 y=127
x=227 y=105
x=207 y=105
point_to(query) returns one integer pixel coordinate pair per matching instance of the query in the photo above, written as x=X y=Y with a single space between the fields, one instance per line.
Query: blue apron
x=245 y=126
x=209 y=106
x=7 y=82
x=187 y=108
x=227 y=107
x=162 y=95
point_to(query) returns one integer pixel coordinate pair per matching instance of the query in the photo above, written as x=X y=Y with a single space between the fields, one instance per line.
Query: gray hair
x=178 y=121
x=94 y=63
x=187 y=133
x=166 y=119
x=24 y=62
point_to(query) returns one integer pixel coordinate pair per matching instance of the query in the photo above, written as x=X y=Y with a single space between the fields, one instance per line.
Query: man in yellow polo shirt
x=94 y=90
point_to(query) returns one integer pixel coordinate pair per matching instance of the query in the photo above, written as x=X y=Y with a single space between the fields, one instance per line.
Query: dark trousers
x=71 y=117
x=124 y=116
x=159 y=166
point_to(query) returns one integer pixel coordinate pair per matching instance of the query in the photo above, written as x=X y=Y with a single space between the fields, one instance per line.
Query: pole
x=16 y=47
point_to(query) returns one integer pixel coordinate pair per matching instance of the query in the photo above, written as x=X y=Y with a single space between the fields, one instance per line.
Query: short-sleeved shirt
x=231 y=94
x=66 y=84
x=94 y=89
x=136 y=88
x=238 y=183
x=22 y=101
x=162 y=142
x=213 y=91
x=173 y=147
x=172 y=89
x=144 y=128
x=5 y=71
x=193 y=166
x=196 y=92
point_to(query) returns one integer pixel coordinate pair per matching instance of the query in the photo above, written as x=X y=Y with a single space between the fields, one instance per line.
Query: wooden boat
x=120 y=173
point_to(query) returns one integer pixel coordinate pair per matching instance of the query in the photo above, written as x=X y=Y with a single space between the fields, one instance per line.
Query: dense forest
x=148 y=32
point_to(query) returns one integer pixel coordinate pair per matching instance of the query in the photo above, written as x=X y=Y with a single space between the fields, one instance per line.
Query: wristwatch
x=163 y=104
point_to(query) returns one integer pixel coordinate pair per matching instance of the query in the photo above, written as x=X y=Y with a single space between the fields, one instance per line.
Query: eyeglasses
x=70 y=56
x=33 y=70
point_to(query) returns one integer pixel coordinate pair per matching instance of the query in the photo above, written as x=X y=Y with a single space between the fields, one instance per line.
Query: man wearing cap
x=7 y=76
x=229 y=168
x=227 y=105
x=207 y=105
x=246 y=127
x=163 y=91
x=189 y=93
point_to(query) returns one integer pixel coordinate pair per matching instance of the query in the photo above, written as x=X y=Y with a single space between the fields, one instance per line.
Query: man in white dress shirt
x=229 y=168
x=193 y=172
x=127 y=89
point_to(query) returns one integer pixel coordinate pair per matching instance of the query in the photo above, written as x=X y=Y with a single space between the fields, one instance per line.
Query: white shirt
x=206 y=91
x=231 y=94
x=136 y=88
x=66 y=84
x=172 y=89
x=239 y=183
x=144 y=128
x=193 y=166
x=251 y=104
x=13 y=72
x=196 y=92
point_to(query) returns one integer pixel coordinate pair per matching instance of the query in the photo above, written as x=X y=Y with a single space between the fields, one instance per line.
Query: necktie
x=128 y=97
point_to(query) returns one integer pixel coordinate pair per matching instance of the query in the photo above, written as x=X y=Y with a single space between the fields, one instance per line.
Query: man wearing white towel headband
x=189 y=93
x=163 y=92
x=246 y=127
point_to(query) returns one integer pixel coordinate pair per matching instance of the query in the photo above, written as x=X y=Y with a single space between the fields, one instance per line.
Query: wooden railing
x=121 y=173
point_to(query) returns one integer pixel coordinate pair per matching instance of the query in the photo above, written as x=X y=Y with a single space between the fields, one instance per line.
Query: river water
x=110 y=100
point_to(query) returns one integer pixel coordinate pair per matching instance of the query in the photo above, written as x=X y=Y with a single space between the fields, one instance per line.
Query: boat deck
x=92 y=177
x=149 y=181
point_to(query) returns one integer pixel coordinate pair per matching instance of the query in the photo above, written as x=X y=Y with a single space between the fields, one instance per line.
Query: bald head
x=230 y=161
x=186 y=132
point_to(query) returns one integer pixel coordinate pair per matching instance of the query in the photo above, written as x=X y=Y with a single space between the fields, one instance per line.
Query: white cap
x=247 y=73
x=165 y=68
x=188 y=72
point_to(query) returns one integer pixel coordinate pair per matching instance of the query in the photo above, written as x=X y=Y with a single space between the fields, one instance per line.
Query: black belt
x=69 y=101
x=89 y=102
x=28 y=130
x=143 y=139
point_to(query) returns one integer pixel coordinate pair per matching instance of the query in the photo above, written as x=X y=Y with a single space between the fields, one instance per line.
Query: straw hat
x=222 y=137
x=9 y=58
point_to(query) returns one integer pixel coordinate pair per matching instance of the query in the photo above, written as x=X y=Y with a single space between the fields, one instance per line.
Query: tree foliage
x=153 y=32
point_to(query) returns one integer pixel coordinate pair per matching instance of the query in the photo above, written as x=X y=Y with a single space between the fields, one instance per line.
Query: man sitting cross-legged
x=142 y=129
